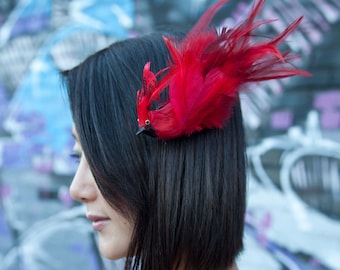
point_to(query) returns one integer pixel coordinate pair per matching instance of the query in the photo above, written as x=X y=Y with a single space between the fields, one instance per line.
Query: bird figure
x=206 y=71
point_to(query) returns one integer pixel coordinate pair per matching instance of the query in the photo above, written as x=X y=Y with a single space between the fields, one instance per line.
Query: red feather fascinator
x=207 y=70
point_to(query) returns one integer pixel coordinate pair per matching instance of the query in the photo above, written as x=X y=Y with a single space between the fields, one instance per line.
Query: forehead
x=74 y=132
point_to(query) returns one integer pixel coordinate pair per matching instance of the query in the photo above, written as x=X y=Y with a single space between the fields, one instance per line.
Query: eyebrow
x=74 y=136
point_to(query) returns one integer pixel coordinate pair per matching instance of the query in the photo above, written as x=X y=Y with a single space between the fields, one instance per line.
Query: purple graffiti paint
x=328 y=104
x=16 y=155
x=5 y=191
x=327 y=99
x=281 y=120
x=30 y=25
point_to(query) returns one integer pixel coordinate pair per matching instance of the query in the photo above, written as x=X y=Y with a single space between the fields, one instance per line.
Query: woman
x=173 y=196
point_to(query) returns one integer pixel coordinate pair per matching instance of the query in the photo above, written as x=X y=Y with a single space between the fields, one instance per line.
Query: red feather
x=206 y=72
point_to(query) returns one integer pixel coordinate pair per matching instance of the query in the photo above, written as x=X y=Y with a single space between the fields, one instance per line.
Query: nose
x=83 y=186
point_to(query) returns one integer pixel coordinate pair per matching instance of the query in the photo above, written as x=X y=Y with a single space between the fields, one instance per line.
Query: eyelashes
x=76 y=156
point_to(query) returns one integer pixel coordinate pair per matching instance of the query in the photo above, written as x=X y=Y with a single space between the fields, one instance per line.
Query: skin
x=114 y=230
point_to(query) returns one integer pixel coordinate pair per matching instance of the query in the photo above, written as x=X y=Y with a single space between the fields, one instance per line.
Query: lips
x=98 y=222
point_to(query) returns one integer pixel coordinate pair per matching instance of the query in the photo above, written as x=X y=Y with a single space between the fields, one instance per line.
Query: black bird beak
x=146 y=130
x=140 y=130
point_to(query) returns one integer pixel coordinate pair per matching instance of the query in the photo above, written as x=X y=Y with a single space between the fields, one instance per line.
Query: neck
x=234 y=267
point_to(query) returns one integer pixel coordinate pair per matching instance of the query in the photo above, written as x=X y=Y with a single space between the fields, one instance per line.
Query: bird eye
x=147 y=122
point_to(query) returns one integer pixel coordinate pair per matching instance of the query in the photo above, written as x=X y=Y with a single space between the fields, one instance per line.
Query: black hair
x=186 y=196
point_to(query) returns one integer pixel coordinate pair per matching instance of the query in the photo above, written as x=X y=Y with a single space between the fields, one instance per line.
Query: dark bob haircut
x=186 y=196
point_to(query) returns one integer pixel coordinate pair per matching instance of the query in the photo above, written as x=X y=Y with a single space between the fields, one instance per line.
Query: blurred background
x=293 y=217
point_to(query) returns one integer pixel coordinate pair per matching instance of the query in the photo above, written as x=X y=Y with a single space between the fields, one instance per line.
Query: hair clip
x=207 y=70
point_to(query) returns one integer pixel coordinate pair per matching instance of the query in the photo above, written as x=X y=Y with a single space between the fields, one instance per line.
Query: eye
x=76 y=156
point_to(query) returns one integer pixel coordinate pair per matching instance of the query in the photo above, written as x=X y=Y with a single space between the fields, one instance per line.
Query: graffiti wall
x=293 y=131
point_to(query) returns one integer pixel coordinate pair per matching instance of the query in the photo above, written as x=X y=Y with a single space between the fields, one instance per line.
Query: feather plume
x=207 y=70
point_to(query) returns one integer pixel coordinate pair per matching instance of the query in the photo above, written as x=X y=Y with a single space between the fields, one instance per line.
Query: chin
x=112 y=251
x=112 y=254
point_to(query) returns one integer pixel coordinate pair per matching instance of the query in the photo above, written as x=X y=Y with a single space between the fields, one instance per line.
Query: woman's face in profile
x=114 y=230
